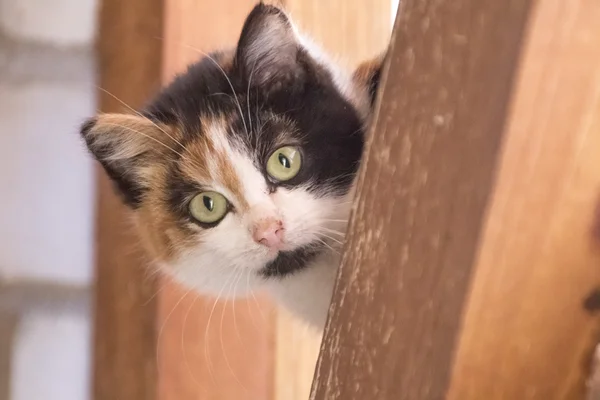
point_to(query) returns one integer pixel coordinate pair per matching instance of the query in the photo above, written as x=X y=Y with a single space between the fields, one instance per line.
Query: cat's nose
x=269 y=232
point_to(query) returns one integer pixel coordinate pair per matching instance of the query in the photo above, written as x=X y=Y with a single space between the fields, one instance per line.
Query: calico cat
x=242 y=169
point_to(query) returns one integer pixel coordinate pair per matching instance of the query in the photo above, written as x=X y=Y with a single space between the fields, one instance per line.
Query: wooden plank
x=422 y=192
x=125 y=317
x=207 y=349
x=8 y=327
x=356 y=30
x=526 y=333
x=297 y=349
x=353 y=30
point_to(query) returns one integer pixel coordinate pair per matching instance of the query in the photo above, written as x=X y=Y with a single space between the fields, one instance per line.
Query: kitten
x=240 y=173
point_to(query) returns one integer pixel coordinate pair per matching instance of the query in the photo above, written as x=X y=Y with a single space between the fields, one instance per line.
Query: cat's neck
x=308 y=292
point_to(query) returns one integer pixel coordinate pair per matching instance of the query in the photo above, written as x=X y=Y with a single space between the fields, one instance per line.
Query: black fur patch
x=130 y=192
x=374 y=84
x=288 y=263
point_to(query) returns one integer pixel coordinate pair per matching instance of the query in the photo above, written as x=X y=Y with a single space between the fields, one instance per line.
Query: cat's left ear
x=268 y=49
x=127 y=147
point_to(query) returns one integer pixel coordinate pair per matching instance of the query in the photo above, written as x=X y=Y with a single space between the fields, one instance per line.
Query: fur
x=214 y=128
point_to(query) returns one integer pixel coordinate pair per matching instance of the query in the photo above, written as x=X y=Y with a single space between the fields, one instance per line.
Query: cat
x=242 y=169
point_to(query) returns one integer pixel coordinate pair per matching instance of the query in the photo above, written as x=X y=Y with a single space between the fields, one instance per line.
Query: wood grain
x=210 y=350
x=423 y=189
x=526 y=333
x=354 y=30
x=125 y=314
x=8 y=328
x=297 y=349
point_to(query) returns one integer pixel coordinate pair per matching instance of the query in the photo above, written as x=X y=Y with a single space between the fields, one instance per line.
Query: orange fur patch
x=209 y=159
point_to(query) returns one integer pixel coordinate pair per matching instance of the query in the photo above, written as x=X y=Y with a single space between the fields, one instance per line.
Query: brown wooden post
x=531 y=321
x=424 y=186
x=125 y=313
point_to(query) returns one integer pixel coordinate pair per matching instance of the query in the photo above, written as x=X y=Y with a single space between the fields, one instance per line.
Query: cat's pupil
x=208 y=203
x=283 y=160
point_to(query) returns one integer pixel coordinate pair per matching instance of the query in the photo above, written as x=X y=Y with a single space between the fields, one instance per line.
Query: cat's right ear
x=125 y=146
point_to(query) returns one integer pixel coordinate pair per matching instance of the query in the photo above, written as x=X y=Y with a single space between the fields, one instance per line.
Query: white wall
x=46 y=190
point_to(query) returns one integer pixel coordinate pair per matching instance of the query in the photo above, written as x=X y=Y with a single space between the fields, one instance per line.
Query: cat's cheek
x=302 y=213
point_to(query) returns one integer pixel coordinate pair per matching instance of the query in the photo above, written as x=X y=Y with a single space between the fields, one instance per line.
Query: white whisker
x=160 y=332
x=239 y=106
x=140 y=115
x=185 y=359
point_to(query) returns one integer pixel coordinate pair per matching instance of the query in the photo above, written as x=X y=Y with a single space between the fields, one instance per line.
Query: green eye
x=284 y=163
x=208 y=207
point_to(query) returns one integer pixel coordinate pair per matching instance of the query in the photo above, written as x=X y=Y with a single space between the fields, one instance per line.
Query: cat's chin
x=289 y=262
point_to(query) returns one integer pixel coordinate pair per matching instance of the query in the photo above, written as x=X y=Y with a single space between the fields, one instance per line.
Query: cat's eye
x=208 y=207
x=284 y=163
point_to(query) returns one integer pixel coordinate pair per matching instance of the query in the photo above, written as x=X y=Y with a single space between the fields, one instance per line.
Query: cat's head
x=243 y=165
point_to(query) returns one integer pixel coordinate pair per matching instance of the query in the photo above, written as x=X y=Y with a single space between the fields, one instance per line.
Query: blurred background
x=49 y=191
x=47 y=198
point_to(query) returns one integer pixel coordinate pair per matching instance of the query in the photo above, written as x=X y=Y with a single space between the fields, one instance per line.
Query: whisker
x=239 y=106
x=206 y=332
x=160 y=332
x=248 y=95
x=147 y=136
x=183 y=157
x=255 y=301
x=160 y=289
x=331 y=238
x=140 y=115
x=185 y=359
x=328 y=246
x=223 y=343
x=235 y=325
x=332 y=231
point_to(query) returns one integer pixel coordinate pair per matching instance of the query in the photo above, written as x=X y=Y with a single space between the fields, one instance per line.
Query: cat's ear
x=368 y=74
x=268 y=49
x=125 y=146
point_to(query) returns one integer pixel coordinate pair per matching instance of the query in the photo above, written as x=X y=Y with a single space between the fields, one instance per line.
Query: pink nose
x=269 y=232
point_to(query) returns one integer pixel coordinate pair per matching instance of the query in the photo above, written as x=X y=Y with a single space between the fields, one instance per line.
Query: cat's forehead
x=228 y=155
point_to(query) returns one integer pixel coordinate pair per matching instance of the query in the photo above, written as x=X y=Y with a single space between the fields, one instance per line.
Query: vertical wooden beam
x=125 y=315
x=207 y=349
x=423 y=189
x=8 y=327
x=531 y=323
x=353 y=29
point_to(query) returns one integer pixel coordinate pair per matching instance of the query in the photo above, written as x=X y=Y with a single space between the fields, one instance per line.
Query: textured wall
x=46 y=195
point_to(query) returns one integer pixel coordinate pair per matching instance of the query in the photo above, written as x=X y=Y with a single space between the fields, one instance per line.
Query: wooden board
x=423 y=190
x=8 y=327
x=526 y=333
x=125 y=312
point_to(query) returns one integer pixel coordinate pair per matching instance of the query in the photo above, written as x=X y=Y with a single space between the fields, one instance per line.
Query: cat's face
x=242 y=168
